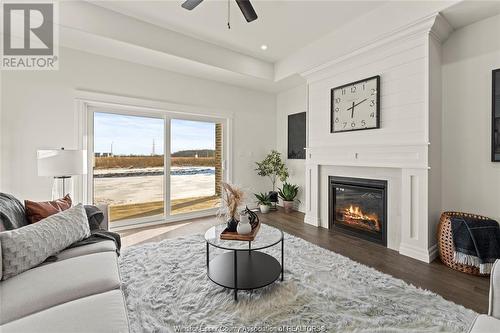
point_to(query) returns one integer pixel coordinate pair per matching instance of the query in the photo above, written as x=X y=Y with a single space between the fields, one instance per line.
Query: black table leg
x=282 y=258
x=235 y=275
x=208 y=257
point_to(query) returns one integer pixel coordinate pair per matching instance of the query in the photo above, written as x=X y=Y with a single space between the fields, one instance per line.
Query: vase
x=288 y=205
x=232 y=224
x=273 y=196
x=244 y=226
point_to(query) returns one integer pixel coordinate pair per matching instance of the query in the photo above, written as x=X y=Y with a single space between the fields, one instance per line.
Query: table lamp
x=61 y=164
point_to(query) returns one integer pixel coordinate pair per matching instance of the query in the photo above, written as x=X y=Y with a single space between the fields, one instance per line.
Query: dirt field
x=128 y=211
x=132 y=162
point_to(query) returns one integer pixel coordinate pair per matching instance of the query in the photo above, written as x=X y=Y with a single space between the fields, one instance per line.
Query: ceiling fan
x=245 y=7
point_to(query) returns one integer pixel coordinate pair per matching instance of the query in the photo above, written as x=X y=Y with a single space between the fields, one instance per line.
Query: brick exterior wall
x=218 y=159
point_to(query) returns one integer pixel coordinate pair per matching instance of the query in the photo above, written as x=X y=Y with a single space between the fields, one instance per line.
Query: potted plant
x=264 y=202
x=272 y=166
x=232 y=198
x=288 y=193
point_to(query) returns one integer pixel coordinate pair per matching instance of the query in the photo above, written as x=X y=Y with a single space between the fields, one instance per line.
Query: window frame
x=87 y=103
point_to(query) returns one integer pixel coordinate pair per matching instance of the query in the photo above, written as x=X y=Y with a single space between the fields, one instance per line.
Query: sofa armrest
x=105 y=222
x=494 y=307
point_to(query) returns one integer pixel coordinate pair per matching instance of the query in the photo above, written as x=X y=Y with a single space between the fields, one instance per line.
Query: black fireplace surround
x=358 y=207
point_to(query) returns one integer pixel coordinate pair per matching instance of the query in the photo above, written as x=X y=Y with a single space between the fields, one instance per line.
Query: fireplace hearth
x=358 y=207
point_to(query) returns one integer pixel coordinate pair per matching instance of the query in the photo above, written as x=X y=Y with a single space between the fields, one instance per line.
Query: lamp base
x=61 y=186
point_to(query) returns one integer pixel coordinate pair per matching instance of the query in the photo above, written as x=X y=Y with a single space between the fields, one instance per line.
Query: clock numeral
x=364 y=83
x=337 y=120
x=353 y=89
x=353 y=124
x=374 y=91
x=337 y=109
x=343 y=91
x=345 y=124
x=363 y=123
x=372 y=103
x=372 y=114
x=337 y=100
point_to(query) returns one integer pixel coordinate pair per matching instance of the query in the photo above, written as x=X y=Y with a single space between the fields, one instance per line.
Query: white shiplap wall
x=402 y=75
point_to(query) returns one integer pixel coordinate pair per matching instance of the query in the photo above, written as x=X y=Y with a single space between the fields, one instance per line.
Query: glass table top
x=266 y=237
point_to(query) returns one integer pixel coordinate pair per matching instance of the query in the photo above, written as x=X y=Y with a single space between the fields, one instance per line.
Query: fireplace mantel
x=411 y=156
x=405 y=150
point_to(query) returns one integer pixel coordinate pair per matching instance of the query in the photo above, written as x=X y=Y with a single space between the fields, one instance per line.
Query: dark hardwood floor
x=467 y=290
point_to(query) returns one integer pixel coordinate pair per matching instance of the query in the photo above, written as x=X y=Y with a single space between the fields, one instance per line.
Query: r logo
x=28 y=29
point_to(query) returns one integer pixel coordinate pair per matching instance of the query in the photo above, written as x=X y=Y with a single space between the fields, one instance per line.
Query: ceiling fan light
x=263 y=47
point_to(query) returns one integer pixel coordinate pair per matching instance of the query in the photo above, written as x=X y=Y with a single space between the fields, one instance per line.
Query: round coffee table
x=243 y=266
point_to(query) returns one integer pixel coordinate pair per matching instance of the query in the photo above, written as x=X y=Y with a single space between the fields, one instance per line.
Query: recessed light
x=263 y=47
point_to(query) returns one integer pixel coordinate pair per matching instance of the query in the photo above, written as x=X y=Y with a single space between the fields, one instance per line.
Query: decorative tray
x=233 y=235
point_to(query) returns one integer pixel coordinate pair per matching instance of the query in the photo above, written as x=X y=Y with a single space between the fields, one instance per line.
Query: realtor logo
x=29 y=31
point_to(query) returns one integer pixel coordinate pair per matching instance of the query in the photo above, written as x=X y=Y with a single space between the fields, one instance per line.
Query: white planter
x=264 y=209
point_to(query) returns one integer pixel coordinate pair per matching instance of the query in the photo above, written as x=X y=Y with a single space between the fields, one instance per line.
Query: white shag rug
x=167 y=290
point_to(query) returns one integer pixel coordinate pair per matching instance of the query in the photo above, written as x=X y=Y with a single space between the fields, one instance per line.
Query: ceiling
x=284 y=26
x=468 y=12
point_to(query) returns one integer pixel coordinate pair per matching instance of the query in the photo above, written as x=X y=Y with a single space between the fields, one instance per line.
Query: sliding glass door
x=153 y=168
x=195 y=169
x=128 y=172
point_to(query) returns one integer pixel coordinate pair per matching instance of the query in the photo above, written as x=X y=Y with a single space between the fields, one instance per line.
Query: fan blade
x=191 y=4
x=247 y=10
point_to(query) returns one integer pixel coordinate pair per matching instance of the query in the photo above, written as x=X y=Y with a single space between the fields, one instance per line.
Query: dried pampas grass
x=232 y=198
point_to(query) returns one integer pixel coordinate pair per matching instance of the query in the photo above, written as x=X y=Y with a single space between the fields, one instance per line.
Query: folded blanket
x=476 y=241
x=100 y=236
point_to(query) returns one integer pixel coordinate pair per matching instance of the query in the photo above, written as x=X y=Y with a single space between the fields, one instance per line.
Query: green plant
x=263 y=199
x=273 y=167
x=288 y=192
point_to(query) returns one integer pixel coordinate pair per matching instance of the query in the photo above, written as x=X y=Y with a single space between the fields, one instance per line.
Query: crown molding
x=434 y=25
x=441 y=29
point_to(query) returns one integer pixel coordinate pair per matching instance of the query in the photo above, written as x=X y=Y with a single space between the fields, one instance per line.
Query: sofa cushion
x=36 y=211
x=57 y=283
x=104 y=312
x=29 y=246
x=484 y=324
x=12 y=213
x=104 y=246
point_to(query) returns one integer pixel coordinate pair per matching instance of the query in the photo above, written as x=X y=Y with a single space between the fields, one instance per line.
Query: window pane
x=128 y=168
x=196 y=165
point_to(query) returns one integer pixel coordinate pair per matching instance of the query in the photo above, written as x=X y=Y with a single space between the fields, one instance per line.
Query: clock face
x=356 y=106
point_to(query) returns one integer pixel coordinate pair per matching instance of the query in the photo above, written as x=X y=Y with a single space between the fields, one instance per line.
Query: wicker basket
x=445 y=243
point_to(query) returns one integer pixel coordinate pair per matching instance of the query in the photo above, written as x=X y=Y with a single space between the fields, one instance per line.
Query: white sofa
x=78 y=293
x=490 y=323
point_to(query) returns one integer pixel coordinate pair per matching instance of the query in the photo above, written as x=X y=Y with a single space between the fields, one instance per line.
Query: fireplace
x=359 y=207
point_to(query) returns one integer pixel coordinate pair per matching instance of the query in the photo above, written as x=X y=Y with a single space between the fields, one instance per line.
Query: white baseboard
x=312 y=220
x=425 y=255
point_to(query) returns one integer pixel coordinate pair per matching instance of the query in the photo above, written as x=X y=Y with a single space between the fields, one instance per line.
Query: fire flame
x=355 y=215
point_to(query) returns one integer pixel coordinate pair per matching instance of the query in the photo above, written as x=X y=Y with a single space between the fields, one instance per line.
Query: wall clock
x=356 y=106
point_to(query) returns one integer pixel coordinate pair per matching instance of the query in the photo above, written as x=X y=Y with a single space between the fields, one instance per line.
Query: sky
x=133 y=135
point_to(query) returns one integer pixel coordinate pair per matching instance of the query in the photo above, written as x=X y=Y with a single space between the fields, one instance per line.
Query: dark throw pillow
x=36 y=211
x=12 y=213
x=95 y=216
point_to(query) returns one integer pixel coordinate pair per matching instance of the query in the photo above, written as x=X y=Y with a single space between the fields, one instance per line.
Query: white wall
x=39 y=112
x=470 y=181
x=289 y=102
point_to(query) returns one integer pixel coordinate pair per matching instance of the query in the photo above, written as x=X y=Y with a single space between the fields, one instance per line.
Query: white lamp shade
x=61 y=162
